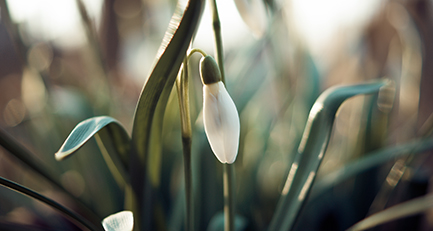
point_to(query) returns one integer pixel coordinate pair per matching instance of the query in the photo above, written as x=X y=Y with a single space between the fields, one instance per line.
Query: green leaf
x=86 y=130
x=169 y=58
x=153 y=100
x=113 y=141
x=311 y=150
x=402 y=210
x=371 y=160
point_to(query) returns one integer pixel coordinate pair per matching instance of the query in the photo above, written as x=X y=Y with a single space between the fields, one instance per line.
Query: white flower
x=121 y=221
x=221 y=122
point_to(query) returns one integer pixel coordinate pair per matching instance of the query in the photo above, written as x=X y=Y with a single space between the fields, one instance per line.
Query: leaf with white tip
x=121 y=221
x=86 y=130
x=112 y=139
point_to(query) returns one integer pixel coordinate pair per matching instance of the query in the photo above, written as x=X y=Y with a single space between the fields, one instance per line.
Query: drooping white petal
x=221 y=122
x=121 y=221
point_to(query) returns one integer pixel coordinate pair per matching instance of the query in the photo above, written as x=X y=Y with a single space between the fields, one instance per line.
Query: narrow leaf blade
x=402 y=210
x=371 y=160
x=311 y=150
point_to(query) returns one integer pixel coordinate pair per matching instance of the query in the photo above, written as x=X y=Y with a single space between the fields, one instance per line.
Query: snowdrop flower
x=121 y=221
x=220 y=116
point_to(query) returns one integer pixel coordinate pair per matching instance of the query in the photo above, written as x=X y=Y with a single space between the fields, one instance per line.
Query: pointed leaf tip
x=83 y=132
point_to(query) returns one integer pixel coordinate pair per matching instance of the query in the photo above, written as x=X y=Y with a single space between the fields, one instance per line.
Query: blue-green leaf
x=112 y=138
x=311 y=150
x=86 y=130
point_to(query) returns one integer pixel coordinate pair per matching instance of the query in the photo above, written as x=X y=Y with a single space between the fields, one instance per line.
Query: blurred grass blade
x=311 y=150
x=218 y=220
x=155 y=93
x=402 y=210
x=112 y=138
x=26 y=157
x=371 y=160
x=75 y=218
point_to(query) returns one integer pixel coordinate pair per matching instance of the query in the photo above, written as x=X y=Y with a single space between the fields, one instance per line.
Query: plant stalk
x=229 y=200
x=219 y=51
x=228 y=169
x=183 y=95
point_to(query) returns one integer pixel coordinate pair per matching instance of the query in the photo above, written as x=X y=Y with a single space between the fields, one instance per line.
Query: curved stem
x=192 y=51
x=183 y=95
x=75 y=218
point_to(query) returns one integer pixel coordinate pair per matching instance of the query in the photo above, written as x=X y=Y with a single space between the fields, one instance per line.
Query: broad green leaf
x=155 y=93
x=371 y=160
x=112 y=138
x=311 y=150
x=72 y=216
x=402 y=210
x=121 y=221
x=169 y=58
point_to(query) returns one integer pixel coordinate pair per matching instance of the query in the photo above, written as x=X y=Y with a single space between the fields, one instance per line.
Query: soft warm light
x=53 y=20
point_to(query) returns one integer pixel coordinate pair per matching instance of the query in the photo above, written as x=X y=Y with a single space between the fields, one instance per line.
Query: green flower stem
x=218 y=38
x=183 y=95
x=75 y=218
x=229 y=200
x=229 y=209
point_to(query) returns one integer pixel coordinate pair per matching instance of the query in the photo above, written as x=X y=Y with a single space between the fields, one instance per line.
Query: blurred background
x=64 y=61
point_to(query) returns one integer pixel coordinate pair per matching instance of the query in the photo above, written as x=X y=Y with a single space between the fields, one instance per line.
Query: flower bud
x=121 y=221
x=209 y=70
x=221 y=122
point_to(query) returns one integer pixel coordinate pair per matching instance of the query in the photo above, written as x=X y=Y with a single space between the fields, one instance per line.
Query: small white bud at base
x=121 y=221
x=221 y=122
